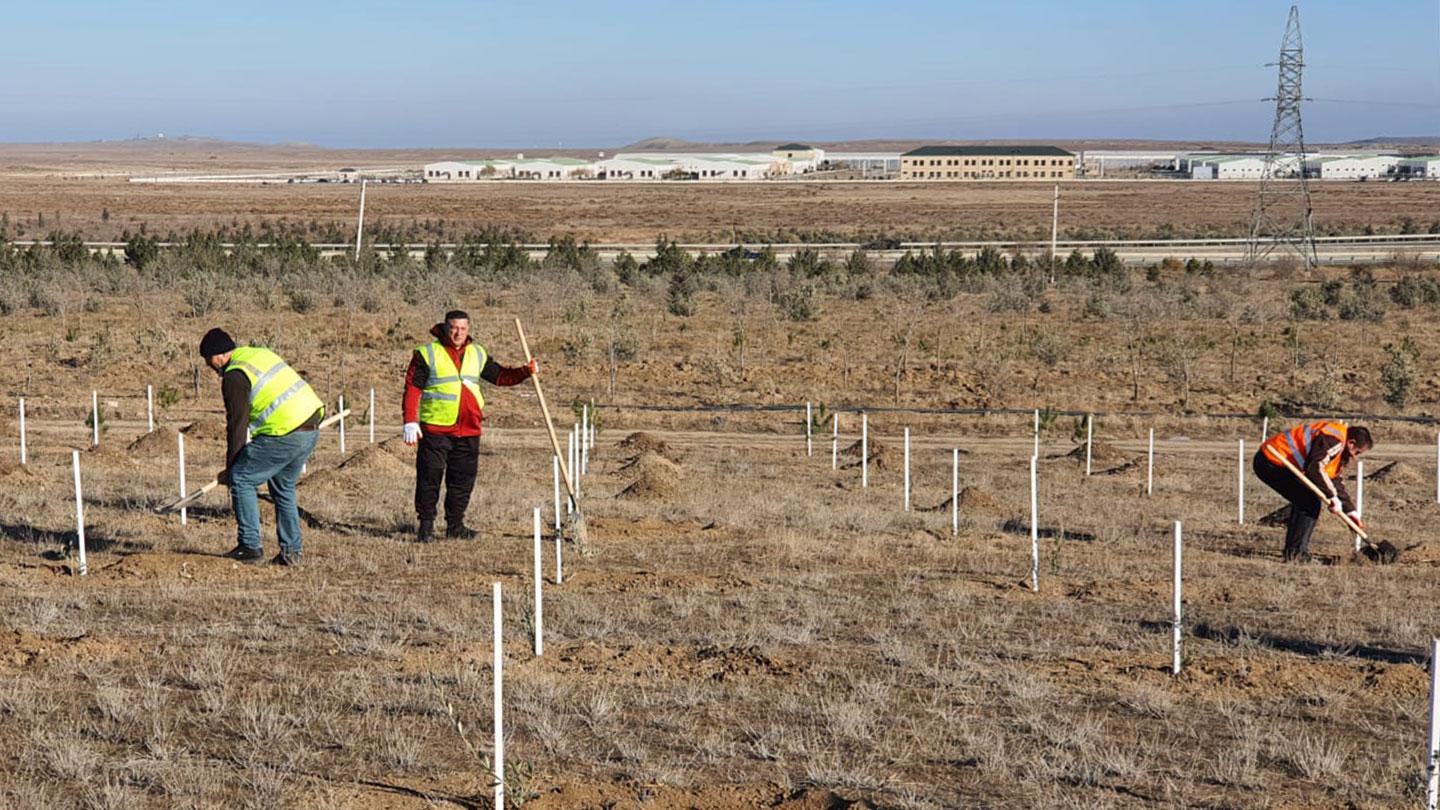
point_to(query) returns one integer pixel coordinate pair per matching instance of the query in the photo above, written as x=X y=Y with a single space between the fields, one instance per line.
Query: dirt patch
x=206 y=429
x=195 y=567
x=20 y=650
x=159 y=441
x=633 y=581
x=665 y=661
x=375 y=460
x=971 y=500
x=13 y=473
x=1398 y=475
x=628 y=796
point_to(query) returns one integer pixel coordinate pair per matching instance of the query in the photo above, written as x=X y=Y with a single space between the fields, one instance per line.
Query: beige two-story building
x=987 y=163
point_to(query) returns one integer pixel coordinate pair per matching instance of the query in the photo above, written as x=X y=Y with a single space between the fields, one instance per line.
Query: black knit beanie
x=216 y=341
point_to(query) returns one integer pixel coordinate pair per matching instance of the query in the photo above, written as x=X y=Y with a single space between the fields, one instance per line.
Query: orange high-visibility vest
x=1295 y=444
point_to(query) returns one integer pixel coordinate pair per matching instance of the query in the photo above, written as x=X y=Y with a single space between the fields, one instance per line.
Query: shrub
x=680 y=298
x=1400 y=372
x=1308 y=304
x=797 y=302
x=627 y=269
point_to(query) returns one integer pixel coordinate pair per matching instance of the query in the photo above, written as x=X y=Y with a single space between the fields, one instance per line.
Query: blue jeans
x=275 y=461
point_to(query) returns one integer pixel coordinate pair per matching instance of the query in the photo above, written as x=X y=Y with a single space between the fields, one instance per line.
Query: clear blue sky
x=545 y=74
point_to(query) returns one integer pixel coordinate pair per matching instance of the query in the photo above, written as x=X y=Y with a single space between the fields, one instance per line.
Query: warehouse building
x=1350 y=167
x=987 y=163
x=1237 y=167
x=1418 y=167
x=517 y=168
x=666 y=165
x=801 y=157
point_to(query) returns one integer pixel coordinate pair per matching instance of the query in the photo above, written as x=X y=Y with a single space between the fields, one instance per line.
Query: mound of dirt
x=374 y=460
x=1279 y=517
x=651 y=487
x=15 y=474
x=159 y=441
x=642 y=442
x=971 y=500
x=1400 y=474
x=652 y=464
x=881 y=456
x=1100 y=453
x=206 y=429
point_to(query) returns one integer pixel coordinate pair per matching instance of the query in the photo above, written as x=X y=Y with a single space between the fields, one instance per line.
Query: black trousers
x=1305 y=506
x=451 y=460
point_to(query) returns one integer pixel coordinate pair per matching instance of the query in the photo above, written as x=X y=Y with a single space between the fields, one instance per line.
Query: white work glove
x=412 y=432
x=1355 y=517
x=1336 y=506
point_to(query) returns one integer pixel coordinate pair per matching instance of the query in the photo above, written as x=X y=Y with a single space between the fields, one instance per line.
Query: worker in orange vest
x=1321 y=450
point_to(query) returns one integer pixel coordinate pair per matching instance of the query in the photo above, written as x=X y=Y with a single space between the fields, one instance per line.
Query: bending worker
x=443 y=409
x=268 y=402
x=1321 y=450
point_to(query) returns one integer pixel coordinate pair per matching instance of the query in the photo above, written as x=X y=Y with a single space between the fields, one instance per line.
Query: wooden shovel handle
x=545 y=409
x=1325 y=499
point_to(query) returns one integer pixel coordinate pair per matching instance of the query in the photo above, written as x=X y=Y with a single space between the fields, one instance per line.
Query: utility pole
x=1283 y=218
x=1054 y=231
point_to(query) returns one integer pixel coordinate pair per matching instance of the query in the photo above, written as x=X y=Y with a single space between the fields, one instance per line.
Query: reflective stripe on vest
x=280 y=400
x=440 y=398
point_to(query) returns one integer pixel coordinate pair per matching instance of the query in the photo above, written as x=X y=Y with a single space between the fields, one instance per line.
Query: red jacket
x=468 y=423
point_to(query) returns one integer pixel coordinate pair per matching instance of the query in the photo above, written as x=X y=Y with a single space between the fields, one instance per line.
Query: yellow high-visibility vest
x=440 y=399
x=280 y=399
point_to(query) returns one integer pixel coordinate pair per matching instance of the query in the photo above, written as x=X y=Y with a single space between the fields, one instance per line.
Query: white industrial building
x=516 y=168
x=1419 y=166
x=1350 y=167
x=662 y=165
x=1236 y=167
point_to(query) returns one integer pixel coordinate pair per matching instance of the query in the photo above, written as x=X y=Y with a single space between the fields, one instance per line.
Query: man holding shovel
x=1319 y=452
x=443 y=408
x=272 y=418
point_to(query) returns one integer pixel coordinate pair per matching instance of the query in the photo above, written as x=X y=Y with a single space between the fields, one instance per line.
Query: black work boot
x=287 y=558
x=249 y=556
x=1297 y=536
x=459 y=531
x=426 y=532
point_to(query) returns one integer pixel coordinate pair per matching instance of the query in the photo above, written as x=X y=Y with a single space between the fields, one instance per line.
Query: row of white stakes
x=1177 y=619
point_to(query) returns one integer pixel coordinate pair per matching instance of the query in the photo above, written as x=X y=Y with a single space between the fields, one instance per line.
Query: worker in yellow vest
x=443 y=409
x=271 y=421
x=1321 y=451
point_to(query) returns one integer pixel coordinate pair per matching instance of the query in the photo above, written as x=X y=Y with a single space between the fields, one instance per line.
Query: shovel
x=578 y=531
x=215 y=482
x=1384 y=552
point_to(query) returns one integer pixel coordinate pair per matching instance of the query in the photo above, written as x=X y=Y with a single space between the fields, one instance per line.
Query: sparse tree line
x=1185 y=324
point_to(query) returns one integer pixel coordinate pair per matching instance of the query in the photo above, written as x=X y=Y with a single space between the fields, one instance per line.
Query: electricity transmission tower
x=1282 y=209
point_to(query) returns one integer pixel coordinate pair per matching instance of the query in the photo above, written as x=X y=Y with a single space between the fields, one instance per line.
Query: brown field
x=76 y=189
x=746 y=628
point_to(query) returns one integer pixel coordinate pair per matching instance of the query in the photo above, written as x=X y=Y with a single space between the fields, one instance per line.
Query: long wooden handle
x=545 y=409
x=215 y=482
x=1325 y=499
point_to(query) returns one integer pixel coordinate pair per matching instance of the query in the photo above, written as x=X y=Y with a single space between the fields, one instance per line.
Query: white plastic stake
x=584 y=439
x=809 y=446
x=555 y=474
x=79 y=515
x=499 y=681
x=835 y=441
x=1432 y=780
x=570 y=462
x=1089 y=439
x=360 y=222
x=23 y=458
x=575 y=432
x=371 y=413
x=1240 y=484
x=149 y=409
x=1179 y=620
x=955 y=492
x=539 y=592
x=180 y=438
x=865 y=452
x=907 y=469
x=1034 y=528
x=94 y=419
x=342 y=425
x=1264 y=429
x=1359 y=496
x=1150 y=465
x=559 y=570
